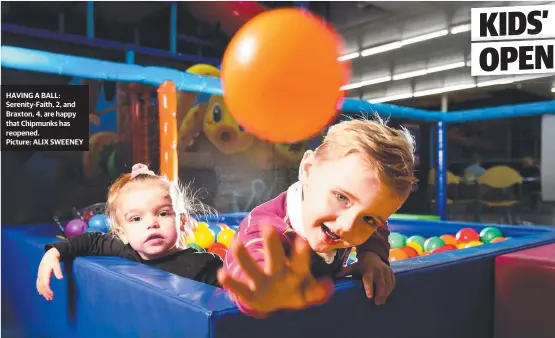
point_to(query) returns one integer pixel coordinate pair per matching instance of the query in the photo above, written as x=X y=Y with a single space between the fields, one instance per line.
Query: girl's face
x=344 y=202
x=146 y=218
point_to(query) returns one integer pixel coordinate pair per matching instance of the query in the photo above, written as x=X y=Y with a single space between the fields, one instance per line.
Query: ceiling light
x=381 y=49
x=348 y=56
x=460 y=29
x=410 y=74
x=446 y=67
x=443 y=90
x=425 y=37
x=391 y=98
x=366 y=83
x=496 y=82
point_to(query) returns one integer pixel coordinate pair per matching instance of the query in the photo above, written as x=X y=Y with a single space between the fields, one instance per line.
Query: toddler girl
x=287 y=250
x=149 y=219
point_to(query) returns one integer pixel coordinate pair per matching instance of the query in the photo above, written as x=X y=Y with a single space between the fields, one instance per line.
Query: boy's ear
x=305 y=166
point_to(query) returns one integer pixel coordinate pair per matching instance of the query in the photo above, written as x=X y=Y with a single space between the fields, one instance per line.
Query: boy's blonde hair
x=184 y=204
x=389 y=151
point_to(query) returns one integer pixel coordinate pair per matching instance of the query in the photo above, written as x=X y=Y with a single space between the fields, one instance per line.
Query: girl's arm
x=93 y=244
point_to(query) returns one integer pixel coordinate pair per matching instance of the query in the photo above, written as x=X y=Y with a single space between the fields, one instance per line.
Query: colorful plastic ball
x=99 y=223
x=445 y=248
x=498 y=240
x=416 y=247
x=433 y=243
x=449 y=239
x=204 y=237
x=75 y=227
x=218 y=249
x=411 y=252
x=473 y=244
x=225 y=235
x=397 y=240
x=397 y=255
x=274 y=107
x=467 y=235
x=490 y=233
x=202 y=225
x=418 y=239
x=196 y=247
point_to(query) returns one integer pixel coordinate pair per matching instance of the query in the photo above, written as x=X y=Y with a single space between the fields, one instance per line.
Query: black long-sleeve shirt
x=188 y=263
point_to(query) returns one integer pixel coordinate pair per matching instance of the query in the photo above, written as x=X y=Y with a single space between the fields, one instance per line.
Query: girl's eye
x=370 y=220
x=341 y=198
x=165 y=213
x=135 y=219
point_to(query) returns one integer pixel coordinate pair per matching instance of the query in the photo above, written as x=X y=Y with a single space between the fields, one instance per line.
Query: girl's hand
x=285 y=284
x=50 y=264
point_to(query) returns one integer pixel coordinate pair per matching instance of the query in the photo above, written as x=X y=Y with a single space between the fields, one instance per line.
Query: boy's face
x=344 y=202
x=146 y=218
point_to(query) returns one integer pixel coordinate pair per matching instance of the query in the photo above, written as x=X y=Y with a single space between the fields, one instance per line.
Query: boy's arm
x=250 y=236
x=378 y=243
x=92 y=244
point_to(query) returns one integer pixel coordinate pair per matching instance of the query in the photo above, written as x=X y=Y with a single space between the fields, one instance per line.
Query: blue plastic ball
x=98 y=223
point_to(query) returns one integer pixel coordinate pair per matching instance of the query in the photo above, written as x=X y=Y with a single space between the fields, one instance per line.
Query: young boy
x=287 y=250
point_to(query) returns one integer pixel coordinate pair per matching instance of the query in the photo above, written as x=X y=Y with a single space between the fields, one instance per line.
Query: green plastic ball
x=418 y=239
x=196 y=247
x=489 y=233
x=433 y=243
x=397 y=240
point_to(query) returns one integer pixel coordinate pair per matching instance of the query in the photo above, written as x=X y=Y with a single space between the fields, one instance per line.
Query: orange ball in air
x=281 y=76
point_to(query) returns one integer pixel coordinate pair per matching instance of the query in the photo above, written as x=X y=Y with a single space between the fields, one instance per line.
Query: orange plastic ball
x=449 y=239
x=397 y=255
x=280 y=75
x=498 y=239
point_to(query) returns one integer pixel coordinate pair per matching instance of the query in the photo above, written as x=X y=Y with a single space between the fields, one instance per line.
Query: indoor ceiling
x=412 y=52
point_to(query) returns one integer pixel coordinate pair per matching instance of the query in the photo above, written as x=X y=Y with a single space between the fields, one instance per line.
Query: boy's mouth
x=331 y=237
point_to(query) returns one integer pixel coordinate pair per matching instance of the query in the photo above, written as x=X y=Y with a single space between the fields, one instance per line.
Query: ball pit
x=213 y=239
x=414 y=246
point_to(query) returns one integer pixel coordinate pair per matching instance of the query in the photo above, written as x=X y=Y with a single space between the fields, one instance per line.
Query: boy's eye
x=370 y=220
x=341 y=198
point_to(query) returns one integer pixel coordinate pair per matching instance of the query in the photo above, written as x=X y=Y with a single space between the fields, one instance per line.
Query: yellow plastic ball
x=416 y=247
x=202 y=225
x=225 y=236
x=204 y=237
x=473 y=244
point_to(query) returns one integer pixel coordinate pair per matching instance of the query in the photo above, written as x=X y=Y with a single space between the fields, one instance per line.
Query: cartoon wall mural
x=249 y=170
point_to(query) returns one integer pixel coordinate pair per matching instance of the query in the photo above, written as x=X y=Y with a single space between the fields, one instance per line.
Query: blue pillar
x=130 y=56
x=173 y=28
x=441 y=170
x=90 y=19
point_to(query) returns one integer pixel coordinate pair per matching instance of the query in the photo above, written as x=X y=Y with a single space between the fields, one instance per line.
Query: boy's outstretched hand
x=285 y=284
x=50 y=264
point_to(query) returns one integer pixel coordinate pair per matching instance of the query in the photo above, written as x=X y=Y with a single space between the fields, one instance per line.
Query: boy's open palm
x=284 y=284
x=50 y=264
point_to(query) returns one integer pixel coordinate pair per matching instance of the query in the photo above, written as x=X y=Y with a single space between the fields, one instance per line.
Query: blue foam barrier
x=447 y=294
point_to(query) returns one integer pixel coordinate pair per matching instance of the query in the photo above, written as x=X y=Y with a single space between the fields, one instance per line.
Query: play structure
x=452 y=293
